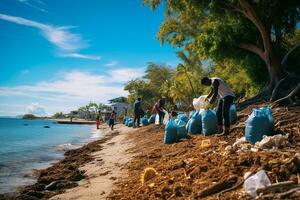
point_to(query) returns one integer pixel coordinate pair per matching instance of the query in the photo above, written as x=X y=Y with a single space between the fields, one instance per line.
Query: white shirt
x=223 y=89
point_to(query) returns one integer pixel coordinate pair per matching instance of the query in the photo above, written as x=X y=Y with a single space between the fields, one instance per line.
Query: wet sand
x=88 y=172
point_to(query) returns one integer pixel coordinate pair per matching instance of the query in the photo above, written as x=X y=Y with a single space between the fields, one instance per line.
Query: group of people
x=111 y=121
x=219 y=91
x=157 y=108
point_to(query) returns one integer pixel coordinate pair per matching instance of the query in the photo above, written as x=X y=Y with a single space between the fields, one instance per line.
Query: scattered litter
x=256 y=181
x=273 y=142
x=205 y=143
x=148 y=174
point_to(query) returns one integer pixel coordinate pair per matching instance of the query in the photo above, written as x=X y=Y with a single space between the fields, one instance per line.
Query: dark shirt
x=160 y=105
x=137 y=105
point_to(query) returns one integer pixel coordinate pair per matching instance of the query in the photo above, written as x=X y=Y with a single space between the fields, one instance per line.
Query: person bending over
x=226 y=97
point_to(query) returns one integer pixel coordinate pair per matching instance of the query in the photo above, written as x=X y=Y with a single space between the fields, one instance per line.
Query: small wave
x=66 y=147
x=96 y=134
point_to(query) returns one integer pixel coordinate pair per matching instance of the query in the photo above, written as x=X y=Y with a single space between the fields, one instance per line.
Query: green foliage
x=148 y=88
x=29 y=116
x=59 y=115
x=215 y=29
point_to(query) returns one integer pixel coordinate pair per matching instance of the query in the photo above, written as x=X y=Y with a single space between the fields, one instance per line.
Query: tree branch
x=254 y=49
x=250 y=13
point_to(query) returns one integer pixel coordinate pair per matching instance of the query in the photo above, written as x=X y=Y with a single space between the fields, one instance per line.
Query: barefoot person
x=112 y=119
x=226 y=97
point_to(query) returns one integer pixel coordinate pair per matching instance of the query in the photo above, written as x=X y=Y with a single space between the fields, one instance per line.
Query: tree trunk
x=266 y=54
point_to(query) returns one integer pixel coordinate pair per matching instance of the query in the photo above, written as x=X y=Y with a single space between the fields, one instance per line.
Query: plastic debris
x=205 y=143
x=272 y=142
x=256 y=181
x=200 y=102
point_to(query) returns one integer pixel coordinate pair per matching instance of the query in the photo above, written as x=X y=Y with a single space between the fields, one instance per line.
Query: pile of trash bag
x=183 y=117
x=209 y=122
x=144 y=121
x=259 y=123
x=151 y=119
x=170 y=136
x=181 y=130
x=194 y=125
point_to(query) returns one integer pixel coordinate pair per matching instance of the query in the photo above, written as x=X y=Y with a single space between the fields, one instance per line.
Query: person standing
x=137 y=112
x=112 y=119
x=226 y=97
x=160 y=109
x=98 y=120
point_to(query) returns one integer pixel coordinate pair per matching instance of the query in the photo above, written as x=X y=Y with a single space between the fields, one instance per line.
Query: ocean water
x=27 y=147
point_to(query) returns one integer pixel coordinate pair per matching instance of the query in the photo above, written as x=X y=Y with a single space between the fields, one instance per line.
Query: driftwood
x=222 y=185
x=280 y=195
x=276 y=187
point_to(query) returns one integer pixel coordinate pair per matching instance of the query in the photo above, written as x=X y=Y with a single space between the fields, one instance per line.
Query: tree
x=249 y=32
x=149 y=87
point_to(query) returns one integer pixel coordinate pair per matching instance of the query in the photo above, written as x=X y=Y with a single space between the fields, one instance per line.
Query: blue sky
x=57 y=55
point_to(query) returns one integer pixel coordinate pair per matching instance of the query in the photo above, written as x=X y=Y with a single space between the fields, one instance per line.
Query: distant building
x=119 y=105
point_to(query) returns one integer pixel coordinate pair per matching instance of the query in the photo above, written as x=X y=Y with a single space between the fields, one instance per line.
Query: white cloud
x=77 y=86
x=111 y=64
x=77 y=55
x=60 y=36
x=126 y=74
x=36 y=4
x=36 y=109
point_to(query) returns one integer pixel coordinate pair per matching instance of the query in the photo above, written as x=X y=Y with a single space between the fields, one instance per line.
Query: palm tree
x=191 y=66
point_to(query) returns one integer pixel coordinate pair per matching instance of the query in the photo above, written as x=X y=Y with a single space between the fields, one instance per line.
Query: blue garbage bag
x=181 y=130
x=127 y=121
x=183 y=117
x=192 y=113
x=144 y=121
x=257 y=125
x=232 y=114
x=209 y=122
x=170 y=132
x=268 y=112
x=194 y=125
x=151 y=119
x=124 y=120
x=130 y=123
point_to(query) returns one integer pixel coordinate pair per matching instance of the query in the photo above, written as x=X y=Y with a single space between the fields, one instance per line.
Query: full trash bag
x=258 y=180
x=144 y=121
x=151 y=119
x=130 y=123
x=268 y=112
x=194 y=125
x=181 y=130
x=192 y=113
x=209 y=122
x=257 y=125
x=124 y=120
x=170 y=132
x=232 y=114
x=183 y=117
x=200 y=103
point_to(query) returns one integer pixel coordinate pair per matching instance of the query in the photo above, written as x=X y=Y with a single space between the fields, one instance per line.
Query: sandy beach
x=104 y=170
x=88 y=172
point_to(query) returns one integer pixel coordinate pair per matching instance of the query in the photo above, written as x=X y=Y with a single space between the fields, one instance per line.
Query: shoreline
x=96 y=165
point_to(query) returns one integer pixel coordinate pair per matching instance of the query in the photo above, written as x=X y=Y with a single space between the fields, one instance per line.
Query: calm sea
x=27 y=147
